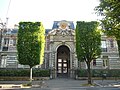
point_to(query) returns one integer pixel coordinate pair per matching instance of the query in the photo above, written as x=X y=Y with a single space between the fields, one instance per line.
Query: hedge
x=46 y=73
x=99 y=72
x=24 y=72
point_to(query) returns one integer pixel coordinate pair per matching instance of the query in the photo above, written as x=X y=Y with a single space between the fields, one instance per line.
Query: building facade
x=60 y=55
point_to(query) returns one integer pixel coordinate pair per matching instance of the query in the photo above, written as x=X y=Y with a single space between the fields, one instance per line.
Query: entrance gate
x=63 y=61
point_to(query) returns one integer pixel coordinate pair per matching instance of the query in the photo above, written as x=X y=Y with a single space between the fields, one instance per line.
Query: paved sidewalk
x=54 y=83
x=59 y=82
x=107 y=83
x=79 y=83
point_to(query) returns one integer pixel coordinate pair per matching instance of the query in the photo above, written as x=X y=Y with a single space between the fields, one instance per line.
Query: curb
x=12 y=86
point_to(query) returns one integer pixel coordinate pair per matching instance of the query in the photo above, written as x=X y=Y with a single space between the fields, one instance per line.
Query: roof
x=55 y=24
x=10 y=31
x=47 y=30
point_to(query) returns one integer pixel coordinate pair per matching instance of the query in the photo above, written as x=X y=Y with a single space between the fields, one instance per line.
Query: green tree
x=110 y=10
x=30 y=44
x=88 y=43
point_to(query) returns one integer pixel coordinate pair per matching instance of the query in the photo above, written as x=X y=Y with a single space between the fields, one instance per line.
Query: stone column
x=51 y=60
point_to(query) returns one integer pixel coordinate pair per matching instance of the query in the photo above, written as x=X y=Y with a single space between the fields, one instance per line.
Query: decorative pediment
x=63 y=25
x=63 y=28
x=62 y=32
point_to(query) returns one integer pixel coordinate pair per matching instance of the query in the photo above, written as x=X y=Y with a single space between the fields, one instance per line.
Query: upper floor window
x=13 y=42
x=6 y=41
x=5 y=48
x=104 y=46
x=111 y=43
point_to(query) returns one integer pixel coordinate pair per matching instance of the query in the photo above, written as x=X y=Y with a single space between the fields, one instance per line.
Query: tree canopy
x=88 y=40
x=88 y=43
x=30 y=43
x=110 y=10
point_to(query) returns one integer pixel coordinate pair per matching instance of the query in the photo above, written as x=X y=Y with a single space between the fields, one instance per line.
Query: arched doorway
x=63 y=61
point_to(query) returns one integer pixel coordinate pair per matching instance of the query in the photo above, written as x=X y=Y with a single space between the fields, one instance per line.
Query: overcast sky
x=47 y=11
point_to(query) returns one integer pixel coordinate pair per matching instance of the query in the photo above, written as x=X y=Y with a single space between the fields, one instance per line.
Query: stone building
x=60 y=55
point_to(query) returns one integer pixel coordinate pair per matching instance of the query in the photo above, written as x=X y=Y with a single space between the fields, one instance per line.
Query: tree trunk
x=30 y=74
x=118 y=42
x=89 y=73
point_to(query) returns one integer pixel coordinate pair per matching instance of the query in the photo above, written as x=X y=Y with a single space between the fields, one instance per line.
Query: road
x=68 y=84
x=74 y=88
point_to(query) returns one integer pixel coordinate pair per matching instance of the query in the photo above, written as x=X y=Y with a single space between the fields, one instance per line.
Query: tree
x=110 y=10
x=30 y=44
x=88 y=43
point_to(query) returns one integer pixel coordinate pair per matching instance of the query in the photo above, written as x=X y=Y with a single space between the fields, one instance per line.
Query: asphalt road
x=73 y=88
x=67 y=84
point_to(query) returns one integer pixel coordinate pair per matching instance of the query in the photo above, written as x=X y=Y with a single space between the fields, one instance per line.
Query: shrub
x=24 y=72
x=99 y=72
x=82 y=73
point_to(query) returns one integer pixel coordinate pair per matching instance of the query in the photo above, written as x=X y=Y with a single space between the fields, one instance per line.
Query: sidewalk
x=108 y=83
x=79 y=83
x=54 y=83
x=60 y=82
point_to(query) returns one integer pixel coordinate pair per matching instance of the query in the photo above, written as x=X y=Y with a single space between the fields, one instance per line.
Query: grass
x=28 y=84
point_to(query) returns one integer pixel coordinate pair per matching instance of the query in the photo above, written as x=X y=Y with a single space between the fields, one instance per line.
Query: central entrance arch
x=63 y=61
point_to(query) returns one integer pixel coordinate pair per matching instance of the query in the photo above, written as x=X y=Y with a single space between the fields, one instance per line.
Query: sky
x=47 y=11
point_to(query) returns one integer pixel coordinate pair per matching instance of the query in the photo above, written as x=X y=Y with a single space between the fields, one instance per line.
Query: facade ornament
x=63 y=29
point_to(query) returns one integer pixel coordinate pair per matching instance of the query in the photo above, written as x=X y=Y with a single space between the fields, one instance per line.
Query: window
x=111 y=43
x=105 y=61
x=94 y=62
x=5 y=48
x=12 y=42
x=104 y=46
x=59 y=60
x=4 y=61
x=6 y=41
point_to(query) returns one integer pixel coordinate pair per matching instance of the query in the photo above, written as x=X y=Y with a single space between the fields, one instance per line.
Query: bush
x=82 y=73
x=41 y=73
x=24 y=72
x=99 y=72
